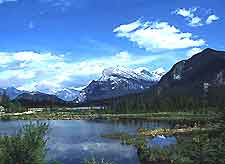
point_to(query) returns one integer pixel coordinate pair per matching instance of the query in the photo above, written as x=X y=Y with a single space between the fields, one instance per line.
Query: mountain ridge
x=204 y=67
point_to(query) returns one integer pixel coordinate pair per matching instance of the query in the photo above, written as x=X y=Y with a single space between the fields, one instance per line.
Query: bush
x=12 y=107
x=27 y=147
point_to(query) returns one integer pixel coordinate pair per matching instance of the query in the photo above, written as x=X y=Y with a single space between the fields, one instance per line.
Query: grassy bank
x=90 y=115
x=195 y=144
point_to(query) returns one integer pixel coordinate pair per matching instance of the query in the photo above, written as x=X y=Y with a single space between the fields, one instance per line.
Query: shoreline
x=76 y=116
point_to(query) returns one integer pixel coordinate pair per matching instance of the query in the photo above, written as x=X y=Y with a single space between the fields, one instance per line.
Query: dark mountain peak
x=207 y=57
x=207 y=66
x=38 y=99
x=208 y=50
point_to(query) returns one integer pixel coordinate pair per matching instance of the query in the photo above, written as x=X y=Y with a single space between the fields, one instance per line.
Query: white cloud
x=28 y=86
x=4 y=58
x=62 y=5
x=190 y=16
x=124 y=55
x=193 y=51
x=26 y=75
x=29 y=56
x=185 y=12
x=193 y=17
x=154 y=36
x=195 y=21
x=128 y=27
x=48 y=72
x=211 y=18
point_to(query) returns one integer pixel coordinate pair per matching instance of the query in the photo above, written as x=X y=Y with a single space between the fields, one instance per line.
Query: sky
x=48 y=45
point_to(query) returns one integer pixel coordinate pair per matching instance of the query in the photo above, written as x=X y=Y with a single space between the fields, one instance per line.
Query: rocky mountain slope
x=118 y=81
x=68 y=94
x=204 y=68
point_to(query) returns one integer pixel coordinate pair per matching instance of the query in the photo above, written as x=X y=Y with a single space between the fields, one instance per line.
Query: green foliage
x=5 y=117
x=27 y=147
x=55 y=162
x=196 y=148
x=156 y=154
x=4 y=99
x=13 y=107
x=201 y=149
x=176 y=99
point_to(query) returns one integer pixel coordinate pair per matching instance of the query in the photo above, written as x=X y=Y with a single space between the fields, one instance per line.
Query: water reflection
x=73 y=141
x=162 y=141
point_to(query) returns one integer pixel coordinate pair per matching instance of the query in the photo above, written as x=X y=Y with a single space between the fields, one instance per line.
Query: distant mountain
x=12 y=92
x=204 y=68
x=2 y=91
x=39 y=99
x=68 y=94
x=117 y=81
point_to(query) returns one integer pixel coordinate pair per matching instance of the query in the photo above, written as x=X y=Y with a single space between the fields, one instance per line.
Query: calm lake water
x=73 y=141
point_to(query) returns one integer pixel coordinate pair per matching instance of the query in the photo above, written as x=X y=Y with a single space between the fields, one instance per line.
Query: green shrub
x=27 y=147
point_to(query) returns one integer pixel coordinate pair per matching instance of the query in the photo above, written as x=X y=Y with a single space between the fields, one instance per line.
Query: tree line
x=176 y=99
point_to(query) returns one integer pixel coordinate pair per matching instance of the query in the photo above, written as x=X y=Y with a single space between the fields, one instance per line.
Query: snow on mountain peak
x=139 y=70
x=141 y=73
x=67 y=94
x=160 y=70
x=158 y=73
x=116 y=71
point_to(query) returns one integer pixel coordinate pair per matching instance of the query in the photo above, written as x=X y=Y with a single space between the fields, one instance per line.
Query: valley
x=147 y=120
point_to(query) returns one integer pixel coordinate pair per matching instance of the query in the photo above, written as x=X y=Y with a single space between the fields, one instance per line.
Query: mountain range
x=202 y=70
x=115 y=81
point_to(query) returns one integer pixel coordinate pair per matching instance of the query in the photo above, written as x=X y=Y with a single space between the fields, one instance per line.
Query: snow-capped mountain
x=158 y=73
x=141 y=73
x=68 y=94
x=117 y=81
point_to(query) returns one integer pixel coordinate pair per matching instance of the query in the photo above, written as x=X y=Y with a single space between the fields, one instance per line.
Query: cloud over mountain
x=49 y=72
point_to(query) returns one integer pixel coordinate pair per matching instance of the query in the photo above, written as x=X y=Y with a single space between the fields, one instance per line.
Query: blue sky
x=52 y=44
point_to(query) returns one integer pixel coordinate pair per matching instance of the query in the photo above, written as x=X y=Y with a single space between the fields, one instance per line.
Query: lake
x=73 y=141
